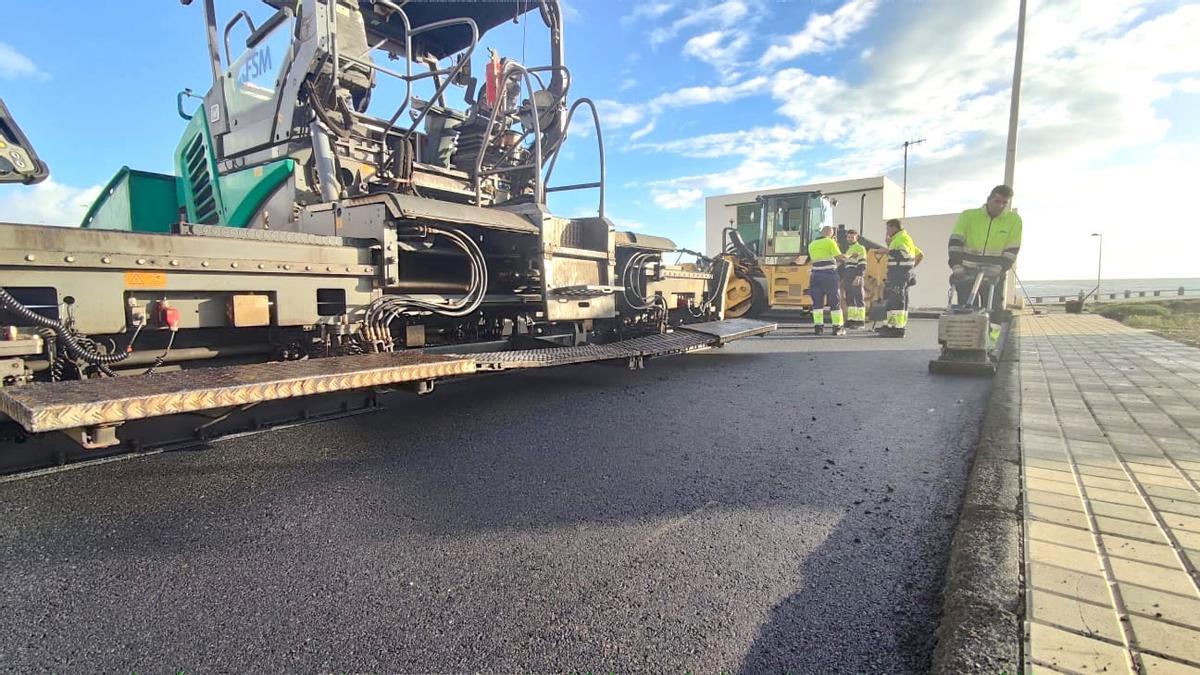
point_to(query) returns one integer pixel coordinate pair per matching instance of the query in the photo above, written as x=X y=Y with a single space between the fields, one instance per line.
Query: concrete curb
x=982 y=610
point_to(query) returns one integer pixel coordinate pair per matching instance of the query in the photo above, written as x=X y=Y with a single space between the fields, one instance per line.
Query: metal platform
x=56 y=406
x=92 y=405
x=733 y=329
x=677 y=342
x=691 y=338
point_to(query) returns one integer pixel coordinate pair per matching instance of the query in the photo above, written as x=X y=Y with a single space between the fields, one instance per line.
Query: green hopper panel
x=137 y=201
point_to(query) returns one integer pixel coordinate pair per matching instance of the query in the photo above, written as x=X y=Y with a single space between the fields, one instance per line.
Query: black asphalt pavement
x=784 y=503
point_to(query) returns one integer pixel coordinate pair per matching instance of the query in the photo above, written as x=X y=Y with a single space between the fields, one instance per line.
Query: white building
x=863 y=204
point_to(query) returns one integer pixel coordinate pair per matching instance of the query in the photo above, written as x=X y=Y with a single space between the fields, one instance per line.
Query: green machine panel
x=138 y=201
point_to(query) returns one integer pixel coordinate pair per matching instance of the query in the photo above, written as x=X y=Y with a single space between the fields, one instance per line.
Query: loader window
x=785 y=224
x=749 y=223
x=820 y=215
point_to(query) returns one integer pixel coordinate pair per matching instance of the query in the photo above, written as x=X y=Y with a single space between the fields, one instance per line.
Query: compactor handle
x=975 y=288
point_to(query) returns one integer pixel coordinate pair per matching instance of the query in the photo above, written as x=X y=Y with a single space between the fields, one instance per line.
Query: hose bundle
x=385 y=309
x=71 y=342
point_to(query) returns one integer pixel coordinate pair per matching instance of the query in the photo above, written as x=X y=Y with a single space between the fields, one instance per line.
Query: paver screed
x=1110 y=439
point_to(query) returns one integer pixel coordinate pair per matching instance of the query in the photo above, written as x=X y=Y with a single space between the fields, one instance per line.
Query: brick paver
x=1110 y=438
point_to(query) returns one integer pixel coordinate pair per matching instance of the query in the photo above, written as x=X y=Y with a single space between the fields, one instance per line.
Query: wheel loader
x=316 y=245
x=770 y=260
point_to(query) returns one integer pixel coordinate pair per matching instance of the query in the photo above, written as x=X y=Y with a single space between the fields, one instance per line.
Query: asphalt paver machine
x=317 y=240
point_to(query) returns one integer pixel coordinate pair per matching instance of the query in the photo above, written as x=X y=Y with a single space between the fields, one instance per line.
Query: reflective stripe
x=824 y=264
x=977 y=259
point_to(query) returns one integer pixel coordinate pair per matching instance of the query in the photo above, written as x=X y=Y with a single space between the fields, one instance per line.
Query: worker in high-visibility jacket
x=985 y=239
x=853 y=270
x=824 y=256
x=903 y=256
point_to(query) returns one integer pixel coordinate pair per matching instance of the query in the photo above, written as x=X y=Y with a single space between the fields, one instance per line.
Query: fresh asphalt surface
x=784 y=503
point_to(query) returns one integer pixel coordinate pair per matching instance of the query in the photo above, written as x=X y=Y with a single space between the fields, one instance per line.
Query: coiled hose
x=69 y=340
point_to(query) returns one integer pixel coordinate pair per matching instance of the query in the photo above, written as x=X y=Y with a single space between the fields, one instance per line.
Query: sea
x=1072 y=287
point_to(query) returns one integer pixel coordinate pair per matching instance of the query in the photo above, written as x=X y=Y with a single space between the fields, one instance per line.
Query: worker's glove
x=958 y=273
x=856 y=282
x=993 y=271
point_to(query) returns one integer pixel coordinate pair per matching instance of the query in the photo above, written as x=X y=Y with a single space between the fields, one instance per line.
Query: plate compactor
x=972 y=339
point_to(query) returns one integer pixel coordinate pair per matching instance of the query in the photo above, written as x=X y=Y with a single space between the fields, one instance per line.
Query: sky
x=708 y=97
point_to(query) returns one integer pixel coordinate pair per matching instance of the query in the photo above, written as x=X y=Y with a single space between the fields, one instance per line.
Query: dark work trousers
x=963 y=290
x=895 y=289
x=854 y=294
x=824 y=290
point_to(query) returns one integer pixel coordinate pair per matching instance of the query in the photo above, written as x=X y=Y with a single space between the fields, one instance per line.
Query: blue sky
x=703 y=97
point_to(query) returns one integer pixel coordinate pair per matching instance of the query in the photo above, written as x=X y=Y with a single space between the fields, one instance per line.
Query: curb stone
x=982 y=611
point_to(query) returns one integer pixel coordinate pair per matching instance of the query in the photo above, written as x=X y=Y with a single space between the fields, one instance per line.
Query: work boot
x=854 y=323
x=818 y=329
x=839 y=330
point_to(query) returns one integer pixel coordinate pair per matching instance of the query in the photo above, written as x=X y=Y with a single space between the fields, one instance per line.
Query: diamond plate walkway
x=1110 y=436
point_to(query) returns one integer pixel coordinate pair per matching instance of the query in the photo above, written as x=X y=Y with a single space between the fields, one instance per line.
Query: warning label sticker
x=145 y=279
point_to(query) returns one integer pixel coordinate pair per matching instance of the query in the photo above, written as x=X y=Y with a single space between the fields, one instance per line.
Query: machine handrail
x=553 y=104
x=599 y=144
x=511 y=68
x=240 y=16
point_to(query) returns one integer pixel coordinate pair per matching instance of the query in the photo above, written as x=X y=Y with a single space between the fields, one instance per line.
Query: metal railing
x=600 y=144
x=1081 y=296
x=527 y=75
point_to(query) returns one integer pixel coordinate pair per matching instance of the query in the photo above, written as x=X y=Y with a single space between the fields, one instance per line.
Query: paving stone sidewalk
x=1110 y=437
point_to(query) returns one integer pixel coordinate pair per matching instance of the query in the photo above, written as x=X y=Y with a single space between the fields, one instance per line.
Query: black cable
x=162 y=358
x=69 y=339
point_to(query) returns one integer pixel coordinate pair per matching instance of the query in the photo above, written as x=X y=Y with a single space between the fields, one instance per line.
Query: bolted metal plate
x=676 y=342
x=733 y=329
x=52 y=406
x=688 y=338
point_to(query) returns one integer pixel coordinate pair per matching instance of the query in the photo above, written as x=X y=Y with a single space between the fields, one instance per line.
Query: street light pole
x=1010 y=156
x=1099 y=262
x=904 y=189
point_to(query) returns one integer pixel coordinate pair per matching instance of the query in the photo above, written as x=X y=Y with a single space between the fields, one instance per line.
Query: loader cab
x=790 y=222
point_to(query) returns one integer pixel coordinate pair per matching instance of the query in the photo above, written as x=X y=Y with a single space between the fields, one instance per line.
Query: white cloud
x=617 y=114
x=648 y=11
x=642 y=132
x=689 y=96
x=719 y=14
x=678 y=198
x=570 y=12
x=1190 y=85
x=15 y=65
x=627 y=84
x=47 y=203
x=822 y=32
x=719 y=48
x=623 y=223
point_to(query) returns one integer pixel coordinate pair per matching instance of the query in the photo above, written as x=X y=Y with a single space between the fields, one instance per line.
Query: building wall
x=930 y=234
x=869 y=201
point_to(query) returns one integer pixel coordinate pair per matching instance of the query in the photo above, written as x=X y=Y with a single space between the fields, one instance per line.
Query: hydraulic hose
x=69 y=340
